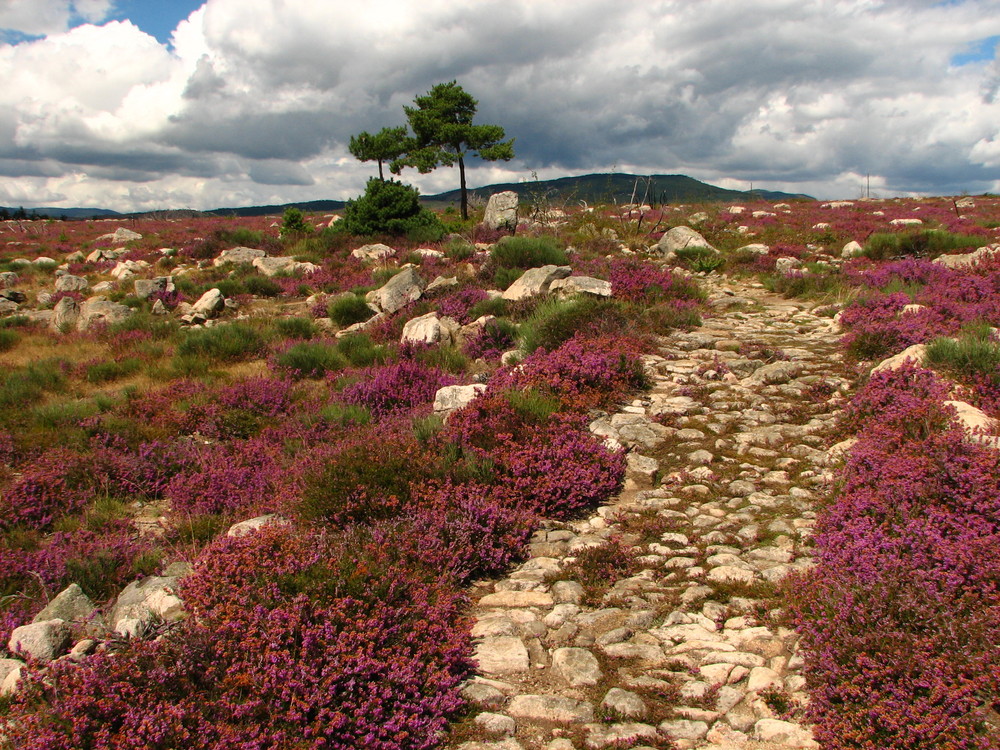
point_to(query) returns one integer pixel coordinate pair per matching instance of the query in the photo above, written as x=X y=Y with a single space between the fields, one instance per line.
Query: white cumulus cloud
x=255 y=100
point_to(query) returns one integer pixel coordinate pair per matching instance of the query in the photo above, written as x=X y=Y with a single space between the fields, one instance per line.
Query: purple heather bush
x=295 y=639
x=458 y=303
x=582 y=373
x=55 y=484
x=901 y=615
x=397 y=386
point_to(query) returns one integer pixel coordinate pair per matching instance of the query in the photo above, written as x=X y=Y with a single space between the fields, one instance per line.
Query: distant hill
x=590 y=188
x=59 y=213
x=309 y=207
x=620 y=188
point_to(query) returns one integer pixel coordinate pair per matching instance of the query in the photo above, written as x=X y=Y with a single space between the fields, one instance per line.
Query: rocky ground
x=728 y=462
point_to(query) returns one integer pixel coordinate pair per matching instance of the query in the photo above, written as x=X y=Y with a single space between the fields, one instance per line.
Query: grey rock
x=98 y=310
x=550 y=708
x=70 y=283
x=681 y=238
x=684 y=729
x=615 y=735
x=429 y=329
x=144 y=603
x=535 y=281
x=452 y=397
x=495 y=723
x=238 y=255
x=145 y=288
x=625 y=703
x=375 y=252
x=402 y=289
x=254 y=524
x=70 y=605
x=501 y=211
x=502 y=655
x=44 y=640
x=210 y=304
x=577 y=667
x=581 y=285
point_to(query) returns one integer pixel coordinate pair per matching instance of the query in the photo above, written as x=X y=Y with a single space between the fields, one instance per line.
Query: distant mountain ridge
x=621 y=188
x=607 y=187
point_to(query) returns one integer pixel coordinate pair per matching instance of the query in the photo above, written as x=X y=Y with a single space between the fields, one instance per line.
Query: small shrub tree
x=390 y=207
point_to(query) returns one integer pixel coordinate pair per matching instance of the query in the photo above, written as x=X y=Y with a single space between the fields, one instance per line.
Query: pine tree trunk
x=465 y=198
x=380 y=176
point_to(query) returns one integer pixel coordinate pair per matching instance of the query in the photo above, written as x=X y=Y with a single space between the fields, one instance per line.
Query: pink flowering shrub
x=294 y=640
x=637 y=280
x=400 y=385
x=34 y=568
x=560 y=469
x=458 y=303
x=239 y=476
x=55 y=484
x=901 y=614
x=469 y=530
x=491 y=341
x=583 y=372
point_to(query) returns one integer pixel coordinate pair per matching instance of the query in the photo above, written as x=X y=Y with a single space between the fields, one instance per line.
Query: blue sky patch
x=156 y=17
x=983 y=50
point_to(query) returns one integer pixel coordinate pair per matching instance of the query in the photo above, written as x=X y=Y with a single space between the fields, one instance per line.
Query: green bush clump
x=390 y=207
x=103 y=372
x=527 y=252
x=261 y=286
x=27 y=384
x=348 y=309
x=458 y=249
x=361 y=351
x=700 y=259
x=295 y=328
x=926 y=243
x=556 y=321
x=242 y=236
x=311 y=360
x=975 y=353
x=226 y=343
x=8 y=339
x=293 y=223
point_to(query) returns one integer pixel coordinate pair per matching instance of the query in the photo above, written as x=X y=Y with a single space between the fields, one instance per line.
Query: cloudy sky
x=146 y=104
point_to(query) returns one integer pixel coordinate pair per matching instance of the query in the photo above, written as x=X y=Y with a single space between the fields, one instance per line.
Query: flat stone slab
x=550 y=708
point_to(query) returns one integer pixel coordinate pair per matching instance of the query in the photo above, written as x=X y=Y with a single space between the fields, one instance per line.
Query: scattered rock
x=501 y=211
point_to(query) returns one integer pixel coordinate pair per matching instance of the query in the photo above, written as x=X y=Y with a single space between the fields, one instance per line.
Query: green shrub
x=229 y=342
x=532 y=405
x=348 y=309
x=345 y=415
x=63 y=413
x=496 y=306
x=261 y=286
x=527 y=252
x=293 y=223
x=296 y=328
x=446 y=357
x=458 y=250
x=8 y=339
x=974 y=354
x=103 y=372
x=925 y=243
x=361 y=351
x=504 y=277
x=157 y=326
x=390 y=207
x=669 y=315
x=311 y=360
x=242 y=236
x=27 y=384
x=555 y=321
x=700 y=259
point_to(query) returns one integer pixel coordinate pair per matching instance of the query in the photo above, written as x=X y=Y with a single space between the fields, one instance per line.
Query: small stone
x=502 y=655
x=576 y=666
x=624 y=703
x=495 y=723
x=555 y=708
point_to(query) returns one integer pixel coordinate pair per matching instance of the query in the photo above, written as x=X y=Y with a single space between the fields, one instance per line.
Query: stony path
x=728 y=460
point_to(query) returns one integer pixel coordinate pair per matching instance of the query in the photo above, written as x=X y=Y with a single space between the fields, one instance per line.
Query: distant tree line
x=20 y=214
